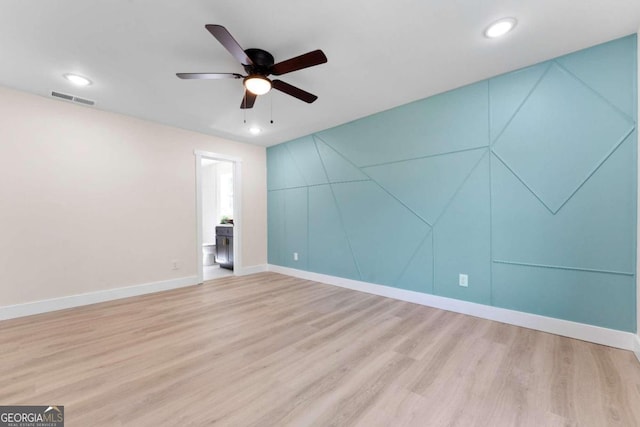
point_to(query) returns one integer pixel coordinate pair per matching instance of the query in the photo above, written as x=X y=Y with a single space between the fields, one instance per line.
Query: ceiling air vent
x=83 y=101
x=62 y=95
x=72 y=98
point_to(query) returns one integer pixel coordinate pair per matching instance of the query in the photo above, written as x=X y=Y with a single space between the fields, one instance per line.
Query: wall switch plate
x=463 y=280
x=295 y=256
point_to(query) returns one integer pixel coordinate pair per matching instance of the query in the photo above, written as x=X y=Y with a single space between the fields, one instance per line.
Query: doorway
x=218 y=215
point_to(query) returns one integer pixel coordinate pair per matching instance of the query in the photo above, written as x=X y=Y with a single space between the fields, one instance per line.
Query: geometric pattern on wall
x=591 y=232
x=567 y=294
x=462 y=239
x=296 y=224
x=290 y=225
x=559 y=136
x=508 y=92
x=337 y=168
x=440 y=177
x=608 y=70
x=304 y=155
x=329 y=249
x=275 y=227
x=452 y=121
x=284 y=171
x=525 y=182
x=382 y=238
x=418 y=273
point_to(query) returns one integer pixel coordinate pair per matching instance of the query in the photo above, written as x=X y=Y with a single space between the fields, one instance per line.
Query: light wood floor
x=270 y=350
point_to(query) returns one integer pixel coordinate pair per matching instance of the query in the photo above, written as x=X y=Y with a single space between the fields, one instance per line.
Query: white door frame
x=237 y=208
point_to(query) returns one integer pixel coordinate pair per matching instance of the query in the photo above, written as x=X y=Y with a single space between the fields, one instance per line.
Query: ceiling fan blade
x=227 y=40
x=294 y=91
x=248 y=100
x=209 y=75
x=306 y=60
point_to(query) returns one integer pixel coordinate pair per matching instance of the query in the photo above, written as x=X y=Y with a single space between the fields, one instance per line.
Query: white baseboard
x=54 y=304
x=245 y=271
x=637 y=349
x=567 y=328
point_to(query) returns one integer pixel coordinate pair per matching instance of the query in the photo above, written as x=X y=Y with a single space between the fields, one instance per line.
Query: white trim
x=637 y=349
x=217 y=156
x=237 y=208
x=199 y=226
x=251 y=270
x=237 y=215
x=54 y=304
x=581 y=331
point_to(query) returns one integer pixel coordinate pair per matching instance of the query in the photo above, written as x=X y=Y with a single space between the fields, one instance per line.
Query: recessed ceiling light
x=77 y=80
x=255 y=130
x=500 y=27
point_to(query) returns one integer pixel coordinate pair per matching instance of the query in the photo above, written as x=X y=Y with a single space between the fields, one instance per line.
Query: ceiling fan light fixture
x=500 y=27
x=257 y=84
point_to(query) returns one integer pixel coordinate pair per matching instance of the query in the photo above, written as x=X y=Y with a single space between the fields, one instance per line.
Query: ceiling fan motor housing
x=262 y=62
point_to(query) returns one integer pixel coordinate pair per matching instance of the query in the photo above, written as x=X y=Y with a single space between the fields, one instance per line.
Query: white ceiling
x=381 y=53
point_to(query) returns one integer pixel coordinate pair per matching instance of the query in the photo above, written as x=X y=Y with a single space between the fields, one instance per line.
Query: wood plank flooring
x=271 y=350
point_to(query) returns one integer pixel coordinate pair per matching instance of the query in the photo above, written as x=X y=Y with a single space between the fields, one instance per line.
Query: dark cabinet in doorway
x=224 y=246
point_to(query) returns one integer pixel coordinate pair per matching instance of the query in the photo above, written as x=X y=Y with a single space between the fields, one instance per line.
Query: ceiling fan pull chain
x=271 y=99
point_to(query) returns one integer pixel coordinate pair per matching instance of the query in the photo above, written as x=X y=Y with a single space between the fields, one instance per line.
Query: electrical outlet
x=463 y=280
x=295 y=256
x=175 y=264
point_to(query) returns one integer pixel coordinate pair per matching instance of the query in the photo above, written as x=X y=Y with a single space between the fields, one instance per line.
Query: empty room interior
x=319 y=214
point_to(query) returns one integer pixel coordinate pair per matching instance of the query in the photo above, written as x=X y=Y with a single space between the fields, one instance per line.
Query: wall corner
x=638 y=206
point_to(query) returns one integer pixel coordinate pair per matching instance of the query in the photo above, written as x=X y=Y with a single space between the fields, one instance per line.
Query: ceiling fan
x=259 y=64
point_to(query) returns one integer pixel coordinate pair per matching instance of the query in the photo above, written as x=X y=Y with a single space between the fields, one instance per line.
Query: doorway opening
x=218 y=213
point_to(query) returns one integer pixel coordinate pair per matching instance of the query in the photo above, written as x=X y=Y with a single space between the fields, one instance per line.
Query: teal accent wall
x=526 y=182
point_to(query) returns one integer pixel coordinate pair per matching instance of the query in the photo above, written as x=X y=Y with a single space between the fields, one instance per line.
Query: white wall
x=91 y=200
x=638 y=214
